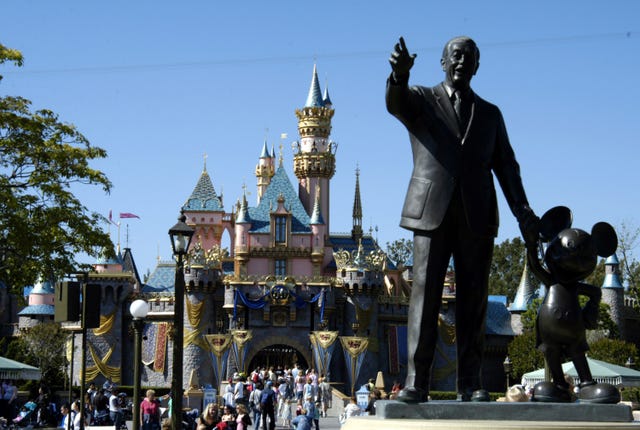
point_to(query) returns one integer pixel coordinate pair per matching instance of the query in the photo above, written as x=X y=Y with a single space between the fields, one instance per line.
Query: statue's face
x=571 y=256
x=459 y=64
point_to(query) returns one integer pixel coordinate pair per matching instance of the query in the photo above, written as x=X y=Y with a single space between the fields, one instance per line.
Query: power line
x=298 y=58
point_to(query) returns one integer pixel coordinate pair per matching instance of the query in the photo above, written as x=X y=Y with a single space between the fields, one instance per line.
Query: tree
x=614 y=351
x=399 y=251
x=507 y=266
x=45 y=346
x=628 y=236
x=43 y=226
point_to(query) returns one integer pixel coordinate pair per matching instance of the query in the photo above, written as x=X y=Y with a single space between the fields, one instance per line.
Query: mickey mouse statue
x=570 y=257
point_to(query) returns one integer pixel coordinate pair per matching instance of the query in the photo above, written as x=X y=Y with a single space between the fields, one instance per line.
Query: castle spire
x=526 y=292
x=265 y=169
x=265 y=150
x=243 y=211
x=314 y=99
x=326 y=100
x=356 y=231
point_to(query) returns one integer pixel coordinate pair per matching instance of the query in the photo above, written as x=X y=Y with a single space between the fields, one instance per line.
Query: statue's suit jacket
x=446 y=157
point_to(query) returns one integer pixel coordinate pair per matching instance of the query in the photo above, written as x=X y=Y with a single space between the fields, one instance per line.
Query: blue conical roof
x=265 y=150
x=611 y=277
x=525 y=294
x=326 y=100
x=243 y=213
x=203 y=197
x=612 y=260
x=314 y=99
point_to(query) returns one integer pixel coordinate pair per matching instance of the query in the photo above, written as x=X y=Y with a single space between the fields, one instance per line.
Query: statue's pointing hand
x=401 y=61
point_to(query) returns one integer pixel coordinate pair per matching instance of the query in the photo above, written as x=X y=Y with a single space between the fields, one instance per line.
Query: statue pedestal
x=494 y=416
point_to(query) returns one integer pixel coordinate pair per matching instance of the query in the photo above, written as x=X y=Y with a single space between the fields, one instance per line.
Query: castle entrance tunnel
x=278 y=356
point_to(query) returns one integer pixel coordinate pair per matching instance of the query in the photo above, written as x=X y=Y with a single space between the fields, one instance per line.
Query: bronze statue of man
x=459 y=141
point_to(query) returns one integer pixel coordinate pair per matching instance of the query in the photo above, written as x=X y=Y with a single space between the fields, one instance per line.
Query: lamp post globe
x=139 y=309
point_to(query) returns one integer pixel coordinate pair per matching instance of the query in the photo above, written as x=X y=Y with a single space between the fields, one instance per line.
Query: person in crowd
x=267 y=404
x=516 y=393
x=284 y=408
x=302 y=421
x=150 y=412
x=243 y=420
x=352 y=409
x=310 y=409
x=324 y=390
x=238 y=391
x=92 y=390
x=300 y=380
x=115 y=410
x=166 y=424
x=395 y=389
x=254 y=403
x=67 y=418
x=75 y=415
x=9 y=396
x=101 y=408
x=299 y=407
x=228 y=397
x=228 y=419
x=374 y=395
x=209 y=418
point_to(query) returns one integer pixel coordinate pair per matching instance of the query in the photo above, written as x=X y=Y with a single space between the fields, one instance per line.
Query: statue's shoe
x=412 y=395
x=599 y=393
x=551 y=393
x=471 y=395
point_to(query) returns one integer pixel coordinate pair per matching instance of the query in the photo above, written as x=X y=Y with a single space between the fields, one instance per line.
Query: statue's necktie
x=457 y=106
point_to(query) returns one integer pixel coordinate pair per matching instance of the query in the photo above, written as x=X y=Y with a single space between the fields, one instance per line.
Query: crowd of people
x=266 y=397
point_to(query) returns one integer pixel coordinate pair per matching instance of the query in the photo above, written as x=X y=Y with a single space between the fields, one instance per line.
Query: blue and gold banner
x=355 y=349
x=323 y=344
x=219 y=345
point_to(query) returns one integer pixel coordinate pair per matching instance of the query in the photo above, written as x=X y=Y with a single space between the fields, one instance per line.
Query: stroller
x=28 y=415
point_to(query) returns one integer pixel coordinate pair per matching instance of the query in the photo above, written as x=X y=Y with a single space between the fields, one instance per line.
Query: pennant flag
x=111 y=218
x=128 y=215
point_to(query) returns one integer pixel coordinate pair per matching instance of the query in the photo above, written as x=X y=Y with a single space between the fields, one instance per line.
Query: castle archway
x=279 y=351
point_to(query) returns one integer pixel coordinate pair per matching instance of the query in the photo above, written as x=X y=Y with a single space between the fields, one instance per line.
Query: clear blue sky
x=159 y=84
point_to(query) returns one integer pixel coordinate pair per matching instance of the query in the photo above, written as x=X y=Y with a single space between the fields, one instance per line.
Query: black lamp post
x=180 y=235
x=507 y=369
x=139 y=310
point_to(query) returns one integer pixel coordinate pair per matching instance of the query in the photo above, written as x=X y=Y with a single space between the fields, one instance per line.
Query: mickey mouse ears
x=604 y=238
x=554 y=221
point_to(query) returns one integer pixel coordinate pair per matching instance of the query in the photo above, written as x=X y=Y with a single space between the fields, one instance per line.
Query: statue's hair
x=461 y=39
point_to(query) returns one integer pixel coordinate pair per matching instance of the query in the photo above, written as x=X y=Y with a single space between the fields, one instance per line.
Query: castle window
x=280 y=268
x=280 y=229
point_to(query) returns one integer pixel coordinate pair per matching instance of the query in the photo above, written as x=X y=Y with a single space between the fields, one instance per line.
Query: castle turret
x=265 y=170
x=241 y=245
x=205 y=213
x=613 y=292
x=314 y=161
